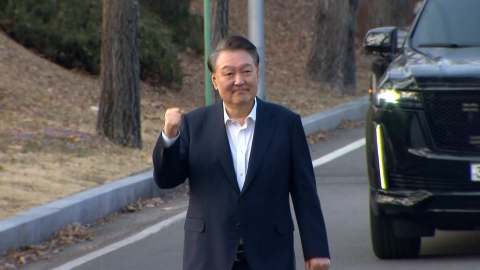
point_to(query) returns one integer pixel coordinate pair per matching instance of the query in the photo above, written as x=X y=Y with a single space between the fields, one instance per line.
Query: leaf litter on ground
x=78 y=233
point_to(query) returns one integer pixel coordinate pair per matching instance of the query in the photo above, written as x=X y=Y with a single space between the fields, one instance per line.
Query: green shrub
x=168 y=10
x=68 y=32
x=154 y=44
x=188 y=28
x=193 y=25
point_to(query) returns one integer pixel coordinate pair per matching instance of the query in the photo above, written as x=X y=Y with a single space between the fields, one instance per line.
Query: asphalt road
x=342 y=187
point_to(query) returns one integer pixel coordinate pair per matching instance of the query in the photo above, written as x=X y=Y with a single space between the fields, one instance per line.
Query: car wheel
x=385 y=244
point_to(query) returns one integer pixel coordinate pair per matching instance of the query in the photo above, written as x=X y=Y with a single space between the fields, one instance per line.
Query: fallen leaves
x=319 y=136
x=16 y=147
x=70 y=234
x=323 y=135
x=110 y=218
x=55 y=139
x=348 y=124
x=77 y=233
x=142 y=203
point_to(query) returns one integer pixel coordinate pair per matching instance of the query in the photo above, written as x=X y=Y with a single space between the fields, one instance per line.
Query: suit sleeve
x=170 y=165
x=305 y=199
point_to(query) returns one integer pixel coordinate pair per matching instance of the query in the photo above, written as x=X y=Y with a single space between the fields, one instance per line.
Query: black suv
x=423 y=127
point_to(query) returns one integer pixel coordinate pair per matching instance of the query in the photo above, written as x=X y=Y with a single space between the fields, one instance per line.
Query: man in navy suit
x=243 y=158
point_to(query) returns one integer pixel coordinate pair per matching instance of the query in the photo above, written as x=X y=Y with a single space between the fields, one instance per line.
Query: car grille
x=454 y=119
x=436 y=82
x=396 y=181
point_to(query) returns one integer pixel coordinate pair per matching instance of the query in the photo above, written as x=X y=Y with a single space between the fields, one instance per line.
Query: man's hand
x=317 y=264
x=173 y=118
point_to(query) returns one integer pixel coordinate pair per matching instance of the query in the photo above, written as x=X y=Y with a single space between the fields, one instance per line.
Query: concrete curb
x=331 y=118
x=39 y=224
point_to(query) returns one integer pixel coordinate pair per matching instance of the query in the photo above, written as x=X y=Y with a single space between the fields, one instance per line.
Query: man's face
x=236 y=78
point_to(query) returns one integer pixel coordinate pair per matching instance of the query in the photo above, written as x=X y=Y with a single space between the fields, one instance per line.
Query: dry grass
x=48 y=145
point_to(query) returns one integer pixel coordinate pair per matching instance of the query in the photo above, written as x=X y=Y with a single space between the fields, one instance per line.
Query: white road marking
x=127 y=241
x=338 y=153
x=166 y=223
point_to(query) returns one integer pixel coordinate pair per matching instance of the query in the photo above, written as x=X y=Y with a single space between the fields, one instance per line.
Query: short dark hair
x=232 y=43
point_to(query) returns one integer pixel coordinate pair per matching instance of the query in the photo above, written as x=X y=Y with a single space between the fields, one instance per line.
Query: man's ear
x=258 y=74
x=214 y=80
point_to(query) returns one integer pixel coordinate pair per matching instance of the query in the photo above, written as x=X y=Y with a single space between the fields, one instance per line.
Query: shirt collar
x=252 y=115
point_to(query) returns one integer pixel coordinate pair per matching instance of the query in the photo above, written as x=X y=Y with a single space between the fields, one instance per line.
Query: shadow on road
x=448 y=244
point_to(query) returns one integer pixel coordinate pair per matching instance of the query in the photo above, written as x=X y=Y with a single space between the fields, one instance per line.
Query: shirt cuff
x=168 y=142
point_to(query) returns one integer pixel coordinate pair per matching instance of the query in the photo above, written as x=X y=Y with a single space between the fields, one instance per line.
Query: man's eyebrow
x=243 y=65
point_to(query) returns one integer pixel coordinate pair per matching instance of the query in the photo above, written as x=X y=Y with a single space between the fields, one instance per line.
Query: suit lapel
x=264 y=129
x=219 y=140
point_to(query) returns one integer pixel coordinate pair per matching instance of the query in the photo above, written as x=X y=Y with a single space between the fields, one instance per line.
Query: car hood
x=438 y=67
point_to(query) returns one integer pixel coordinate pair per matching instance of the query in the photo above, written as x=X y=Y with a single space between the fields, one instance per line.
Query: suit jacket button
x=241 y=200
x=238 y=225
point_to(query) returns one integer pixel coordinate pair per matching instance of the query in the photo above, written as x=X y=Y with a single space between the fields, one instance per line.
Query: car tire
x=385 y=244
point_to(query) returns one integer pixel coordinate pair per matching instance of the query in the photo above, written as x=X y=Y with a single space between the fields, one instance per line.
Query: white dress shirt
x=240 y=140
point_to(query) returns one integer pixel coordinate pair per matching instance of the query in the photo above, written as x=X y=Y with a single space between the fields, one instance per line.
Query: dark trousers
x=241 y=266
x=241 y=262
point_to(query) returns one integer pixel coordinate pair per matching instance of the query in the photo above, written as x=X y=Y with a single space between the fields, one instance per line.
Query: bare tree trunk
x=388 y=13
x=332 y=60
x=218 y=29
x=119 y=111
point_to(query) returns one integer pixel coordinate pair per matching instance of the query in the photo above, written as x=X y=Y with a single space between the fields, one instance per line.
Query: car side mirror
x=381 y=40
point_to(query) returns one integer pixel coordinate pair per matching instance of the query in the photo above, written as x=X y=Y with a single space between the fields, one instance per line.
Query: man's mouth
x=240 y=90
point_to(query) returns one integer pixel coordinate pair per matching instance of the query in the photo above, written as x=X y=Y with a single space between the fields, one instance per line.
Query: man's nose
x=239 y=79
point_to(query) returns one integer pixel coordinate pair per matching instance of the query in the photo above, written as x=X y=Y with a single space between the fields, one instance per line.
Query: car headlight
x=395 y=98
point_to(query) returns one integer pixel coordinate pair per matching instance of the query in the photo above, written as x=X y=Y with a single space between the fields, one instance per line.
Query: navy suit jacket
x=219 y=213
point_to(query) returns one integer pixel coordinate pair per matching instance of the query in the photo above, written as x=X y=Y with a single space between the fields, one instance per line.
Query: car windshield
x=448 y=23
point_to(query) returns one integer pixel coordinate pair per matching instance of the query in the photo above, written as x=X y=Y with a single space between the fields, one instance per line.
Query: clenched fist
x=173 y=118
x=317 y=264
